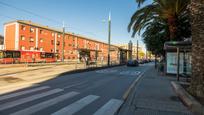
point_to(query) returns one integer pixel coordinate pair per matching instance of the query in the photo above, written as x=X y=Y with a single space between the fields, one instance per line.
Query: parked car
x=132 y=63
x=141 y=61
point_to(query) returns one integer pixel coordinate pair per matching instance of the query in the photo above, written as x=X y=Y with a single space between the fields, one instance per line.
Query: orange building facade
x=28 y=36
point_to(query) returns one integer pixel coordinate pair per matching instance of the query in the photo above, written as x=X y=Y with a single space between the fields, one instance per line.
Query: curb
x=129 y=90
x=126 y=94
x=87 y=69
x=24 y=71
x=11 y=66
x=187 y=99
x=18 y=86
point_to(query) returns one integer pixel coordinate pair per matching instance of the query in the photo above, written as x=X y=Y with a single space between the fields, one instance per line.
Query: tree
x=197 y=24
x=197 y=82
x=154 y=38
x=169 y=11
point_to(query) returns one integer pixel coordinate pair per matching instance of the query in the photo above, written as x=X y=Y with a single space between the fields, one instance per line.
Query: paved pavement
x=153 y=95
x=9 y=76
x=97 y=92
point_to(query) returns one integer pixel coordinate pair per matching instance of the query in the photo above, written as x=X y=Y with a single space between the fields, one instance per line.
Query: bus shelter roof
x=182 y=45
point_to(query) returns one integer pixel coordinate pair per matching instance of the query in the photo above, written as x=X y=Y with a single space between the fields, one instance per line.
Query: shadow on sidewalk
x=153 y=95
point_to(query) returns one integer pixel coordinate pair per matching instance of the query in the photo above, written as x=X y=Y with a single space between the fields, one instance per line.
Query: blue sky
x=83 y=17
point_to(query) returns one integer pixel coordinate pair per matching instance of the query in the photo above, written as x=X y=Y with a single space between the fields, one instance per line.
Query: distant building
x=29 y=36
x=141 y=53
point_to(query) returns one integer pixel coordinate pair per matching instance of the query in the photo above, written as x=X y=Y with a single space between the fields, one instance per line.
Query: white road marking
x=109 y=108
x=45 y=104
x=107 y=71
x=121 y=72
x=22 y=92
x=28 y=99
x=76 y=84
x=8 y=89
x=130 y=73
x=76 y=106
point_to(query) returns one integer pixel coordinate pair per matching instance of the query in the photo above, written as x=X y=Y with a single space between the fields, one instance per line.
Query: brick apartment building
x=26 y=35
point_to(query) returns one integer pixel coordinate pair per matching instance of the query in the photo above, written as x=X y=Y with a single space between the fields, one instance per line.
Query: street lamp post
x=109 y=37
x=63 y=37
x=137 y=50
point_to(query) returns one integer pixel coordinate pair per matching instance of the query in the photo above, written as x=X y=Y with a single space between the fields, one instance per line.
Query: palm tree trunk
x=172 y=27
x=197 y=83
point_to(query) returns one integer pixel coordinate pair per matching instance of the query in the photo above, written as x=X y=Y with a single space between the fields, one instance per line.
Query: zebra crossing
x=122 y=72
x=107 y=108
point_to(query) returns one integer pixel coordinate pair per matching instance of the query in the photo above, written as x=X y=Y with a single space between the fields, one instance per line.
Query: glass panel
x=42 y=55
x=16 y=55
x=1 y=54
x=49 y=55
x=188 y=63
x=8 y=54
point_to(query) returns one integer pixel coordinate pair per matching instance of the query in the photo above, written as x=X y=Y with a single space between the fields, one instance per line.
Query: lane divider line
x=126 y=94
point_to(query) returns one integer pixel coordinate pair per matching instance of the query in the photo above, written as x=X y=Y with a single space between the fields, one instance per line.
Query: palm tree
x=169 y=11
x=197 y=13
x=153 y=37
x=197 y=82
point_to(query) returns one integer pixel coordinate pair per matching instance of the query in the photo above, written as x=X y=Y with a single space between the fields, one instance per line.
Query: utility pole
x=137 y=50
x=63 y=37
x=109 y=37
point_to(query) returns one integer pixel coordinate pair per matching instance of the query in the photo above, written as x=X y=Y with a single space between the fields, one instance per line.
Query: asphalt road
x=97 y=92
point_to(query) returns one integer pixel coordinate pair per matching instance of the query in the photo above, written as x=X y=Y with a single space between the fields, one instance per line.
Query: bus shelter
x=178 y=58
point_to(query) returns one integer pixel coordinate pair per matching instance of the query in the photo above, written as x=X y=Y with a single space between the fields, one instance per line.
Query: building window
x=22 y=37
x=41 y=40
x=32 y=30
x=22 y=47
x=57 y=51
x=52 y=42
x=52 y=50
x=31 y=48
x=58 y=35
x=31 y=39
x=53 y=34
x=41 y=49
x=23 y=27
x=58 y=42
x=41 y=31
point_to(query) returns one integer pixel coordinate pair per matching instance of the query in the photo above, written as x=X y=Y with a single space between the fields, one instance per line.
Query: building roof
x=27 y=22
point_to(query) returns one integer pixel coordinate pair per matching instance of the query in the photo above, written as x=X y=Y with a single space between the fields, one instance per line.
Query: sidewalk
x=153 y=95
